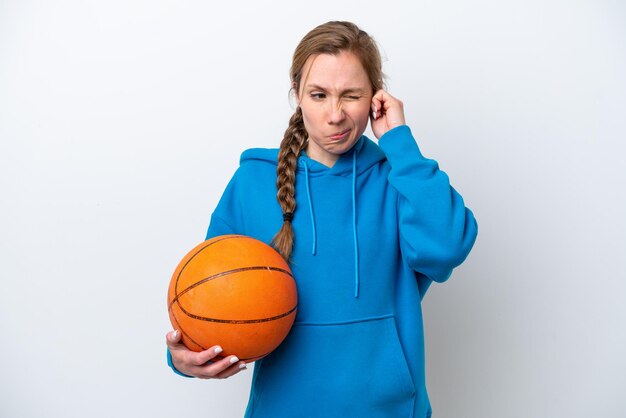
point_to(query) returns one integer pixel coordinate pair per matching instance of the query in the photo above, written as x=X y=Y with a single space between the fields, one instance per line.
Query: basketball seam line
x=198 y=252
x=226 y=273
x=239 y=321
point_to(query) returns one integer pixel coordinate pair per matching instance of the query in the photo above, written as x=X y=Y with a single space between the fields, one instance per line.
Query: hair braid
x=329 y=38
x=293 y=143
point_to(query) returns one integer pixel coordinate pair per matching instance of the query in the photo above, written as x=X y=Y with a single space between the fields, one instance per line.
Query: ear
x=294 y=87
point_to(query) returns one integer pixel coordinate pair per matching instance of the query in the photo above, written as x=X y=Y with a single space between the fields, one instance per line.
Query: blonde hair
x=329 y=38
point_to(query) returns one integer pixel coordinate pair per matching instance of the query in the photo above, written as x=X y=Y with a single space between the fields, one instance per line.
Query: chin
x=347 y=146
x=339 y=149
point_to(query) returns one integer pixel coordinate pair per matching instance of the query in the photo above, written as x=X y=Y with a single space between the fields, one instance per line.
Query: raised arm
x=437 y=231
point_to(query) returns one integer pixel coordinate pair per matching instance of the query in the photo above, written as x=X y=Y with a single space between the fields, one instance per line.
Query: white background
x=122 y=121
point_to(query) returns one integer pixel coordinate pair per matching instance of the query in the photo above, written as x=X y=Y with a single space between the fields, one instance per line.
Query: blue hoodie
x=371 y=234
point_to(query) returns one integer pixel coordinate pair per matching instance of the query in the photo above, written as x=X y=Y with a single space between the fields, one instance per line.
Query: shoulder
x=256 y=161
x=256 y=165
x=259 y=155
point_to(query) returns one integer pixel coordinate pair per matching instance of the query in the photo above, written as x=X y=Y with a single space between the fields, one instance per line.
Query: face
x=335 y=98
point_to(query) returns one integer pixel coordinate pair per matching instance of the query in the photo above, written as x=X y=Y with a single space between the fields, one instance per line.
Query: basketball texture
x=234 y=291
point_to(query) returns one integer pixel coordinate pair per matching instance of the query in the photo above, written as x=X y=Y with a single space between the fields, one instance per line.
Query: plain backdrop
x=122 y=121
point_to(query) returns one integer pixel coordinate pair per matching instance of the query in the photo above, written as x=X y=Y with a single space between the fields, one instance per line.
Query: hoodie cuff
x=171 y=364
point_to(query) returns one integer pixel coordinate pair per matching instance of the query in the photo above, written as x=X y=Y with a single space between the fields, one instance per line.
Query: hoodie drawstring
x=354 y=233
x=356 y=247
x=308 y=194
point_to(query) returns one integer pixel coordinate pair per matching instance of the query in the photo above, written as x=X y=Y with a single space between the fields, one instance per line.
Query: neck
x=325 y=158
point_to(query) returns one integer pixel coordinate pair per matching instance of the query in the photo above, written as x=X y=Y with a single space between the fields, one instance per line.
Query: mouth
x=340 y=135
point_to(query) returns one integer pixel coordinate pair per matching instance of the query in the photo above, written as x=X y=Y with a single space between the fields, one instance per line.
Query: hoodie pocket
x=347 y=370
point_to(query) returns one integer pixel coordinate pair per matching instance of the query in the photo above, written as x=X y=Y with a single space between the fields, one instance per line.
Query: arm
x=436 y=230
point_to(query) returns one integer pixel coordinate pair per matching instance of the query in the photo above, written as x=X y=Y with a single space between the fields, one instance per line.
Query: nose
x=336 y=114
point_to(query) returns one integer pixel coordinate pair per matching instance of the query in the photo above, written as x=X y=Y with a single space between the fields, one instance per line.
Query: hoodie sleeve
x=436 y=230
x=227 y=216
x=217 y=227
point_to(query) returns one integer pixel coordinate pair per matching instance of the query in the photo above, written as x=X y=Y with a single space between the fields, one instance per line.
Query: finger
x=203 y=357
x=384 y=102
x=214 y=369
x=172 y=339
x=232 y=370
x=379 y=95
x=386 y=99
x=377 y=106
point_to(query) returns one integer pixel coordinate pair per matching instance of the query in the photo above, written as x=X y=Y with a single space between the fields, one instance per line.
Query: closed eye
x=318 y=96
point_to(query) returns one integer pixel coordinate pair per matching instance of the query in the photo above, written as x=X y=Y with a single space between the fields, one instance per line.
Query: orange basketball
x=236 y=292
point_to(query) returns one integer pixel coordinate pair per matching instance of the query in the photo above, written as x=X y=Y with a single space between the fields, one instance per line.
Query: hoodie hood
x=368 y=154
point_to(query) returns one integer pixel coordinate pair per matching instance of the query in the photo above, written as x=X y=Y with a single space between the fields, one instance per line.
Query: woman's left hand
x=387 y=113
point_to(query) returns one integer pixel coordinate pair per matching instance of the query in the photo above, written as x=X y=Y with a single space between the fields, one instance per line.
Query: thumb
x=173 y=339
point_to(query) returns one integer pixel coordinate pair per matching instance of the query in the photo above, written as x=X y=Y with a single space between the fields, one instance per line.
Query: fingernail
x=175 y=335
x=242 y=366
x=234 y=360
x=218 y=350
x=373 y=114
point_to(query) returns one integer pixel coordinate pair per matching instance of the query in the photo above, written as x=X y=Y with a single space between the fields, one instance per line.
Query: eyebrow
x=348 y=90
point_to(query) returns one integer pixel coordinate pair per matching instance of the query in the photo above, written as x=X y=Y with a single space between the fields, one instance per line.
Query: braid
x=293 y=143
x=329 y=38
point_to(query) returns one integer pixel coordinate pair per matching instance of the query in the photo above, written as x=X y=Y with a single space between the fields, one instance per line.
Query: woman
x=366 y=229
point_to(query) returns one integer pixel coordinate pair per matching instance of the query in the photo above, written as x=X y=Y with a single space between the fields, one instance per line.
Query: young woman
x=367 y=228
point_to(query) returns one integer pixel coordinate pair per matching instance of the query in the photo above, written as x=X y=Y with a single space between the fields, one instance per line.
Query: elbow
x=461 y=244
x=459 y=249
x=438 y=261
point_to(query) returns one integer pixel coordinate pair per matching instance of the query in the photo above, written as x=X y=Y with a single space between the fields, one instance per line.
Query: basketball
x=236 y=292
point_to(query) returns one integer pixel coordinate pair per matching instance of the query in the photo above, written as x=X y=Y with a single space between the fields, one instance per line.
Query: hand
x=387 y=113
x=196 y=364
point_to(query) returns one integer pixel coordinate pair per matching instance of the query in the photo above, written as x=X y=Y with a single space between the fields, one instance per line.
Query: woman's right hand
x=197 y=364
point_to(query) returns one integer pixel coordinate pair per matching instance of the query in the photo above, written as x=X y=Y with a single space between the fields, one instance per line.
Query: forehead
x=340 y=71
